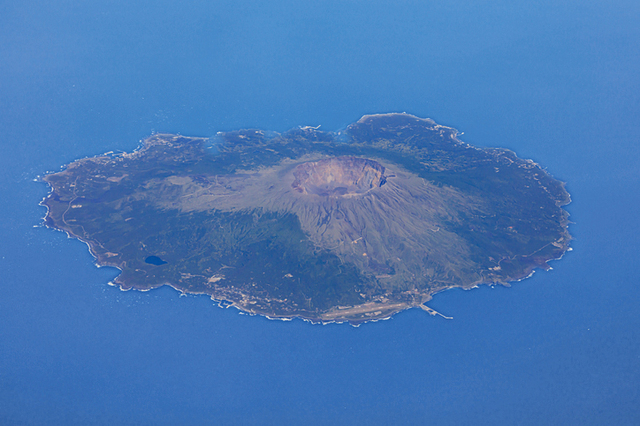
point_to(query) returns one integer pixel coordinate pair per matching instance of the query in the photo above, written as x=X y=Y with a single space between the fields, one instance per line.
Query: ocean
x=554 y=81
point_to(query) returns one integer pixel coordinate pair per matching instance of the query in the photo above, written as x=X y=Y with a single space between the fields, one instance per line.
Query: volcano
x=347 y=226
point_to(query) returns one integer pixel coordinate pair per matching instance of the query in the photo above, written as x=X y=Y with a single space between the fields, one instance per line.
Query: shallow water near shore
x=554 y=82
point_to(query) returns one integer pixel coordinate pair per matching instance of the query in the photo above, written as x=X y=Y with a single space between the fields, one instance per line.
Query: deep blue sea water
x=555 y=81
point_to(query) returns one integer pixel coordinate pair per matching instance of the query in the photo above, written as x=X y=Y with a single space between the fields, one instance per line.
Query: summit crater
x=338 y=176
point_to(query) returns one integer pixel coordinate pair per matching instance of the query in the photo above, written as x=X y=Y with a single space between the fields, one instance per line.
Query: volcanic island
x=349 y=226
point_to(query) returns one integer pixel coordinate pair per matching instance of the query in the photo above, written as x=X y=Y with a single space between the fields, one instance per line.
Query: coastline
x=376 y=310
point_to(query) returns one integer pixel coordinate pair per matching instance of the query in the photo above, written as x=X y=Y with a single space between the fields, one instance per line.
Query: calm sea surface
x=555 y=81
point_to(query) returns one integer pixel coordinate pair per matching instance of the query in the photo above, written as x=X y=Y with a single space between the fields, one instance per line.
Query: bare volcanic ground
x=391 y=226
x=305 y=225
